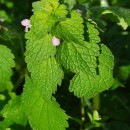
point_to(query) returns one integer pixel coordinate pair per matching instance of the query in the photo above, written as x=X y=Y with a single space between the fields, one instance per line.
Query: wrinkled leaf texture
x=87 y=59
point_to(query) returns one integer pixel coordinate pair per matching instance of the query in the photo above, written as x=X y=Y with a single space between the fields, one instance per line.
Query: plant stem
x=82 y=112
x=96 y=108
x=96 y=102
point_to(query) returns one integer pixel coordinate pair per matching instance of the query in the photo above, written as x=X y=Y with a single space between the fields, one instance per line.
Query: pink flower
x=26 y=23
x=55 y=41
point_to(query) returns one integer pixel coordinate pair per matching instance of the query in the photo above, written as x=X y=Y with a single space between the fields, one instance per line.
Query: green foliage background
x=114 y=103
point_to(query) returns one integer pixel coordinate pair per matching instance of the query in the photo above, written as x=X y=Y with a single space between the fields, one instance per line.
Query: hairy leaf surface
x=71 y=29
x=45 y=61
x=46 y=14
x=47 y=74
x=39 y=50
x=77 y=57
x=89 y=62
x=88 y=85
x=41 y=25
x=93 y=32
x=43 y=114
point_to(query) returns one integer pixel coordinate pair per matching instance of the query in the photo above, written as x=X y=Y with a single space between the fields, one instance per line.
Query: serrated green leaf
x=115 y=17
x=45 y=5
x=6 y=63
x=47 y=74
x=117 y=14
x=41 y=25
x=88 y=85
x=14 y=112
x=46 y=14
x=39 y=50
x=77 y=57
x=50 y=7
x=105 y=66
x=43 y=114
x=93 y=32
x=61 y=12
x=43 y=19
x=44 y=69
x=84 y=85
x=83 y=61
x=71 y=29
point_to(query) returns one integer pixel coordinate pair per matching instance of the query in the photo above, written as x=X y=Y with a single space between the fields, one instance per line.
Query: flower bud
x=55 y=41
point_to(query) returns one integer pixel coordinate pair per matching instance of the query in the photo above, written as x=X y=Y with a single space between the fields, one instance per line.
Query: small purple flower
x=26 y=23
x=55 y=41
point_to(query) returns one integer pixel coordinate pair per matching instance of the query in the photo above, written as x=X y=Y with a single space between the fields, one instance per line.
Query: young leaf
x=6 y=63
x=41 y=25
x=71 y=29
x=48 y=6
x=61 y=12
x=46 y=14
x=43 y=114
x=14 y=112
x=85 y=59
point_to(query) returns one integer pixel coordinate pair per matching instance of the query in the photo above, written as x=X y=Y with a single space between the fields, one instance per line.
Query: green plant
x=64 y=43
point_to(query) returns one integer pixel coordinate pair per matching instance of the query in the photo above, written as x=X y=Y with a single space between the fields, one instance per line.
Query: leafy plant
x=65 y=43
